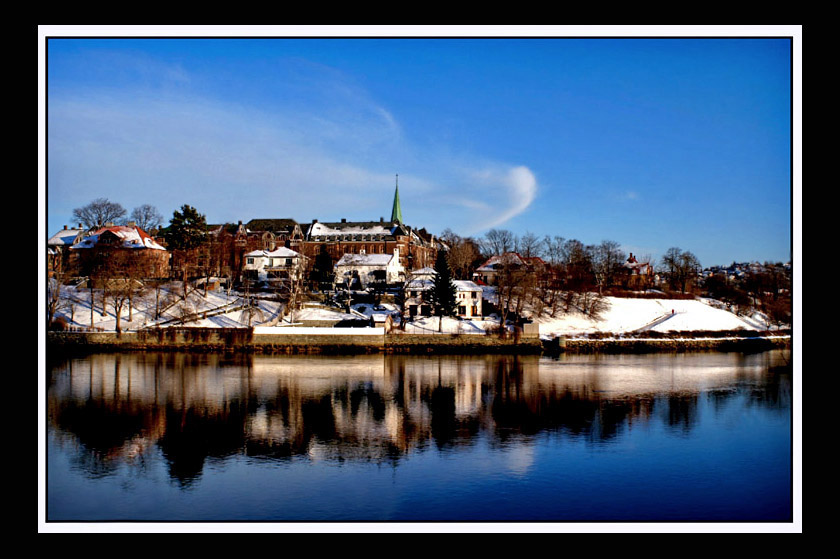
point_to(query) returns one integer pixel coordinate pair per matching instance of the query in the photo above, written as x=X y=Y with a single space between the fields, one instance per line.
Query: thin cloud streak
x=519 y=189
x=233 y=162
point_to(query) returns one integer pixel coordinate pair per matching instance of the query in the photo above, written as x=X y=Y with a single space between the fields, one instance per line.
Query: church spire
x=396 y=211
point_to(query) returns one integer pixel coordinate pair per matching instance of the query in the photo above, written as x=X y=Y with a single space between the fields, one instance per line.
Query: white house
x=360 y=271
x=59 y=244
x=467 y=295
x=273 y=266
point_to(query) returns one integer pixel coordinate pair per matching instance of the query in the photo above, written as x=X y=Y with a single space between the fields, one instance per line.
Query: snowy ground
x=645 y=315
x=621 y=316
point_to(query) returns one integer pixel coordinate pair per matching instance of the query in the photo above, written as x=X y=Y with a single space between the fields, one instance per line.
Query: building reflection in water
x=192 y=408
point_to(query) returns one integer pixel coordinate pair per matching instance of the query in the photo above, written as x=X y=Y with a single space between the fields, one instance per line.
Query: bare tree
x=529 y=245
x=514 y=284
x=56 y=300
x=250 y=311
x=99 y=212
x=121 y=282
x=680 y=267
x=607 y=259
x=146 y=217
x=463 y=255
x=497 y=242
x=553 y=249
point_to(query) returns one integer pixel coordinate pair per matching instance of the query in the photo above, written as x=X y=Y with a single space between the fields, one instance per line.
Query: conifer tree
x=323 y=273
x=443 y=293
x=187 y=229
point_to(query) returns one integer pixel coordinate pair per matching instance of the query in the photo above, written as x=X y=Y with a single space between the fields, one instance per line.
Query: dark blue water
x=655 y=438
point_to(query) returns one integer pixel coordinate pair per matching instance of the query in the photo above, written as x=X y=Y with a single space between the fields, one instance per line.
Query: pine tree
x=322 y=271
x=187 y=229
x=443 y=293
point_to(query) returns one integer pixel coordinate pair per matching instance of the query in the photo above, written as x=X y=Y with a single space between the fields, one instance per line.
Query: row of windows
x=272 y=261
x=349 y=238
x=368 y=249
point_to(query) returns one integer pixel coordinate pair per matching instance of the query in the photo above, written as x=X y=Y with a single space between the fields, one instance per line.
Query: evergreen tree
x=187 y=229
x=323 y=272
x=443 y=293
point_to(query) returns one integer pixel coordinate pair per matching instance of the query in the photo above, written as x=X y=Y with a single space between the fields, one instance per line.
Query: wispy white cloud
x=336 y=158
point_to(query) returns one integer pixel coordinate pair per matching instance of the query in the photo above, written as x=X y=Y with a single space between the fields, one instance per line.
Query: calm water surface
x=175 y=437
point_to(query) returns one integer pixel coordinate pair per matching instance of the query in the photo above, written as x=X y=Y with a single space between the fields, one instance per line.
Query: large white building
x=361 y=271
x=272 y=266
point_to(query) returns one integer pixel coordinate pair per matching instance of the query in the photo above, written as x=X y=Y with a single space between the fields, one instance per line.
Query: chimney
x=314 y=221
x=109 y=224
x=132 y=224
x=381 y=220
x=65 y=228
x=343 y=220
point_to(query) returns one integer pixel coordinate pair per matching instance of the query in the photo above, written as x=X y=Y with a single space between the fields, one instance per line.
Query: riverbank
x=375 y=340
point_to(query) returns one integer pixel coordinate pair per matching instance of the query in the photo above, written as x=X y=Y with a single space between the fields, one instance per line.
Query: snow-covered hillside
x=218 y=309
x=658 y=315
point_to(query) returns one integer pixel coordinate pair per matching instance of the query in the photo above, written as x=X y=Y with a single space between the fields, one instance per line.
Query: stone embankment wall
x=374 y=340
x=648 y=345
x=287 y=340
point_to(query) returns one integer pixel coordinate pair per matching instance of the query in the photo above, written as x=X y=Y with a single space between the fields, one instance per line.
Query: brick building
x=120 y=249
x=416 y=247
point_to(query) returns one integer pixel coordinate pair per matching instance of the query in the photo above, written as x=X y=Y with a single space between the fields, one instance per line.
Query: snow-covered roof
x=509 y=258
x=367 y=228
x=423 y=284
x=466 y=285
x=419 y=284
x=65 y=237
x=279 y=252
x=130 y=237
x=351 y=259
x=427 y=271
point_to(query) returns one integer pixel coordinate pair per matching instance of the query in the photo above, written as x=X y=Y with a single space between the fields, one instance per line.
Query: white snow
x=279 y=252
x=620 y=317
x=640 y=315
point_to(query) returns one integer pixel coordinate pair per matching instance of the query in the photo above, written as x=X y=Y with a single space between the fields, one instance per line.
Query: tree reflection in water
x=198 y=408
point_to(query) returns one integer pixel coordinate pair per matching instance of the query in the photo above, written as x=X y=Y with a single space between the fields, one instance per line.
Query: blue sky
x=650 y=142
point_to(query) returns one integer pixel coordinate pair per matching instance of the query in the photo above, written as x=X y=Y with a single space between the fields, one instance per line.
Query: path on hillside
x=657 y=321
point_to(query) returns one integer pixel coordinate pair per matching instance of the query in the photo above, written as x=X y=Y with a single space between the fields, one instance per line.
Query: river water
x=161 y=437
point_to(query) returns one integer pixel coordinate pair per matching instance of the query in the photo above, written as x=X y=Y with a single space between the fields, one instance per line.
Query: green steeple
x=396 y=211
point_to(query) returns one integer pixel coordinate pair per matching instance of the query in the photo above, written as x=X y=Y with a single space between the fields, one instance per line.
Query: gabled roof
x=129 y=237
x=499 y=260
x=280 y=252
x=511 y=259
x=425 y=284
x=350 y=259
x=427 y=271
x=65 y=237
x=466 y=285
x=387 y=229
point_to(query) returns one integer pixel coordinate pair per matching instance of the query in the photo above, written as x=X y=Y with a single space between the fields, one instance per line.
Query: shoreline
x=353 y=341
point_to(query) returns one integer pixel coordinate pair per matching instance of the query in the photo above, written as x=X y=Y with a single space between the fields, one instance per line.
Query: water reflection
x=114 y=411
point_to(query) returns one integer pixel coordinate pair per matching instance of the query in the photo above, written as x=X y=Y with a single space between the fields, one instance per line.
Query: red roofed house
x=487 y=273
x=121 y=245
